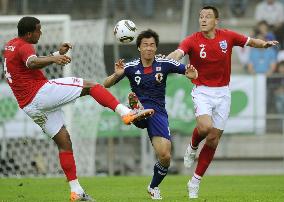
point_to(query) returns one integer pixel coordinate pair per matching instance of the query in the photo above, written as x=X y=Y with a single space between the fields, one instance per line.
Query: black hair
x=27 y=24
x=147 y=34
x=215 y=10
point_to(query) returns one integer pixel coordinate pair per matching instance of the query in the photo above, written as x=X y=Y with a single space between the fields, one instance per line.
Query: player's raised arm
x=35 y=62
x=118 y=72
x=176 y=55
x=259 y=43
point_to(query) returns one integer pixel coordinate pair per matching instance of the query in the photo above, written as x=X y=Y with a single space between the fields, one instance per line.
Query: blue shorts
x=157 y=125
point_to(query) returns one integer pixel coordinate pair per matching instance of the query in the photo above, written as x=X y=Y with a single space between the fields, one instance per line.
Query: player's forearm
x=176 y=55
x=40 y=62
x=256 y=43
x=110 y=81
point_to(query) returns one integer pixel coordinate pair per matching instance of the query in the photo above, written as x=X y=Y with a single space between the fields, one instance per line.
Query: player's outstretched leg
x=106 y=99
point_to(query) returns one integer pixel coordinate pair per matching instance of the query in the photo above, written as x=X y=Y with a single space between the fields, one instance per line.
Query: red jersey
x=212 y=57
x=24 y=82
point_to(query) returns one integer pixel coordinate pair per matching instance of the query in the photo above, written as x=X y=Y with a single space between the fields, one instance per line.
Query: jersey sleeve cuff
x=247 y=41
x=28 y=59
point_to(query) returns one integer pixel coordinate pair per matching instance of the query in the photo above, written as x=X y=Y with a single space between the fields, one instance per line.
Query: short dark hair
x=27 y=24
x=147 y=34
x=215 y=10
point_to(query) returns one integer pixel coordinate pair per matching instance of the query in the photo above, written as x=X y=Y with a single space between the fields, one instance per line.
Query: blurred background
x=253 y=141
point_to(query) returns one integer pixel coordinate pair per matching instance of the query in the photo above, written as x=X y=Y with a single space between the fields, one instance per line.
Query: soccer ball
x=125 y=31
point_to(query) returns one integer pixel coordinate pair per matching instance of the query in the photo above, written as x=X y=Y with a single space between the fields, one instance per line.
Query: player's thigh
x=50 y=122
x=58 y=92
x=203 y=103
x=158 y=125
x=204 y=123
x=221 y=112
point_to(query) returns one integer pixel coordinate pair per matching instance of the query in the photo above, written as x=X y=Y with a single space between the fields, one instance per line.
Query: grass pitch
x=124 y=189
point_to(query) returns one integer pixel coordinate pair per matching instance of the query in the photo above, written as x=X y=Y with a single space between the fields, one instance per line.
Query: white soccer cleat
x=154 y=193
x=192 y=190
x=189 y=156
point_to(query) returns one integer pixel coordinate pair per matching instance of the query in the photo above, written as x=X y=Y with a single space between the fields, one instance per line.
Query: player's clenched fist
x=191 y=72
x=61 y=59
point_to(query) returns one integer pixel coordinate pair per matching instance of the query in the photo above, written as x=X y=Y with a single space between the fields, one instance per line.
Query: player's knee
x=204 y=129
x=62 y=140
x=165 y=157
x=89 y=84
x=212 y=140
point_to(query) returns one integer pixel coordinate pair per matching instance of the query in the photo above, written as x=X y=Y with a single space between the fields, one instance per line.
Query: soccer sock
x=196 y=139
x=76 y=187
x=68 y=166
x=103 y=97
x=159 y=173
x=122 y=110
x=205 y=157
x=195 y=179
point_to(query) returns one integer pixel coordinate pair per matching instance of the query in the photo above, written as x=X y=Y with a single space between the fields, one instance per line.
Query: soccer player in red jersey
x=42 y=99
x=209 y=51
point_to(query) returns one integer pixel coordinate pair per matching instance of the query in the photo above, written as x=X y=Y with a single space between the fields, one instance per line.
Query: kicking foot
x=137 y=115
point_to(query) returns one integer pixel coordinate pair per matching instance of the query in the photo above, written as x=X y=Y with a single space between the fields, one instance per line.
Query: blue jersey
x=149 y=83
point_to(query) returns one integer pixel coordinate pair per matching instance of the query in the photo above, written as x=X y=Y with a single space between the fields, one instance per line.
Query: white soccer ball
x=125 y=31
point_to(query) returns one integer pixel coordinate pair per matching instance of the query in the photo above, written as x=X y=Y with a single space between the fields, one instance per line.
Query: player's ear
x=138 y=49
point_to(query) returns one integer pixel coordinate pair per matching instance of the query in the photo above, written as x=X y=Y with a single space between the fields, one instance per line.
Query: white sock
x=122 y=110
x=195 y=179
x=76 y=187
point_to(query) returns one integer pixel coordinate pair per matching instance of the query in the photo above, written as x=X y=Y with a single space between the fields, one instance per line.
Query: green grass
x=122 y=189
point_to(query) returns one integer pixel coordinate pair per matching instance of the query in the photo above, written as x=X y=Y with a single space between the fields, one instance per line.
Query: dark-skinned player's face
x=35 y=35
x=148 y=48
x=207 y=20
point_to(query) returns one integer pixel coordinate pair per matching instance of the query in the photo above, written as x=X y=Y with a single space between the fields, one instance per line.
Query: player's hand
x=191 y=72
x=119 y=68
x=268 y=44
x=61 y=59
x=64 y=48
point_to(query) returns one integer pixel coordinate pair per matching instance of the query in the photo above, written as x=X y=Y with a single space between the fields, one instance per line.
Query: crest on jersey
x=158 y=69
x=223 y=46
x=159 y=77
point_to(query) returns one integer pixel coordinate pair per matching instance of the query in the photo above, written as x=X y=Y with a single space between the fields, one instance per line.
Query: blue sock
x=159 y=173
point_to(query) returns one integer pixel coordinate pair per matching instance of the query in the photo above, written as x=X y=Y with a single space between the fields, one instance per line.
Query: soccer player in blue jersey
x=148 y=76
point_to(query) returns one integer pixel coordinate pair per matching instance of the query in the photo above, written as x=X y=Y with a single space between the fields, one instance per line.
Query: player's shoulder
x=167 y=61
x=132 y=63
x=193 y=36
x=16 y=43
x=225 y=31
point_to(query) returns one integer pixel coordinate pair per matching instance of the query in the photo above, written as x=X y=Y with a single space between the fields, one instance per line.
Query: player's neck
x=26 y=39
x=147 y=63
x=209 y=34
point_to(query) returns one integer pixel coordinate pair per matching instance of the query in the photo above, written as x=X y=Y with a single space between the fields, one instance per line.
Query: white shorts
x=45 y=108
x=213 y=101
